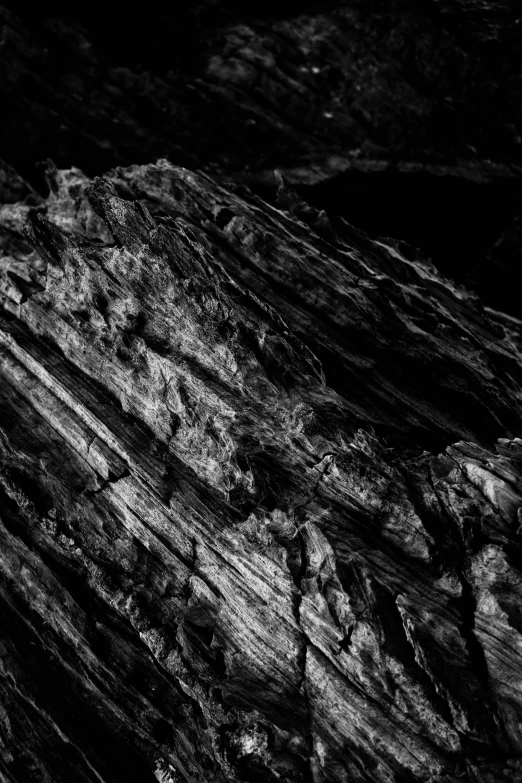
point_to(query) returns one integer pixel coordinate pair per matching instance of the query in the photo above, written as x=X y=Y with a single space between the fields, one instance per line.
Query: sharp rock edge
x=242 y=538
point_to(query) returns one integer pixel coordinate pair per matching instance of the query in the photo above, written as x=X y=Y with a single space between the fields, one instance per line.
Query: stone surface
x=402 y=116
x=261 y=496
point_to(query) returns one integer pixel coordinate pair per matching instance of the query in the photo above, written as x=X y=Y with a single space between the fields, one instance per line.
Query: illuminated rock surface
x=261 y=495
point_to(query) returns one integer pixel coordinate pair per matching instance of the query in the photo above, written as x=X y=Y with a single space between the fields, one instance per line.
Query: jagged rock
x=403 y=115
x=227 y=552
x=414 y=356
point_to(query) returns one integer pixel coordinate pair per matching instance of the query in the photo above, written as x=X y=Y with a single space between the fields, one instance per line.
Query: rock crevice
x=243 y=533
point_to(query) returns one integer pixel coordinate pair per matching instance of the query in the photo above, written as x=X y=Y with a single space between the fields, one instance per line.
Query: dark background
x=402 y=116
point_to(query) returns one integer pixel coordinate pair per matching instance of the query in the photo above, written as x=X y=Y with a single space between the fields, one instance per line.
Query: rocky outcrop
x=401 y=116
x=261 y=495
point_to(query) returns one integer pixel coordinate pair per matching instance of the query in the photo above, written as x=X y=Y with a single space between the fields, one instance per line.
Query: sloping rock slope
x=404 y=115
x=261 y=495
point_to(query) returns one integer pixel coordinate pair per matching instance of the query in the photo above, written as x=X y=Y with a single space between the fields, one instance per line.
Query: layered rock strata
x=261 y=491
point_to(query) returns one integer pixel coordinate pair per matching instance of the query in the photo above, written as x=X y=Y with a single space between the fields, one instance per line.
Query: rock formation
x=261 y=471
x=261 y=495
x=403 y=116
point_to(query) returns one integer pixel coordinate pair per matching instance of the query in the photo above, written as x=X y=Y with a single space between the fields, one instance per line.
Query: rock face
x=403 y=116
x=261 y=495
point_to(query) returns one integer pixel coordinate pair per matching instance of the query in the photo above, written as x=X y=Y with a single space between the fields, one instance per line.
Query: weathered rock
x=219 y=560
x=414 y=356
x=403 y=116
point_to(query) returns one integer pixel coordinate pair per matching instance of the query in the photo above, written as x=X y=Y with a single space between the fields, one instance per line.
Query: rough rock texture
x=403 y=116
x=261 y=495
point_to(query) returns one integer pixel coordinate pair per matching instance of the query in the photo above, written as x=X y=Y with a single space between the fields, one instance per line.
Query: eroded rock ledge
x=261 y=496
